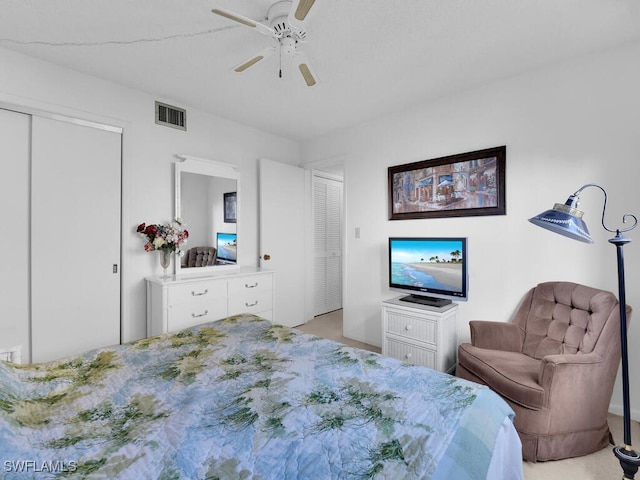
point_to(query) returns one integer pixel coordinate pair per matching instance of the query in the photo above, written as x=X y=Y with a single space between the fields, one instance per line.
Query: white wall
x=563 y=127
x=148 y=157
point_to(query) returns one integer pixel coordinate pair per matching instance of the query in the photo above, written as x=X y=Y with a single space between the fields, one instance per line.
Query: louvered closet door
x=327 y=198
x=75 y=238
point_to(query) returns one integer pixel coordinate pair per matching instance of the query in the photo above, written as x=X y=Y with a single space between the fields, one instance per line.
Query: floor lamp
x=566 y=220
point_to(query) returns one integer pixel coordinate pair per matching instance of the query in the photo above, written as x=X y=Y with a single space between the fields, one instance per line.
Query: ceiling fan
x=285 y=22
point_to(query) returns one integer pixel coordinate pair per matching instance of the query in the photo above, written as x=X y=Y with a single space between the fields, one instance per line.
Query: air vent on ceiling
x=171 y=116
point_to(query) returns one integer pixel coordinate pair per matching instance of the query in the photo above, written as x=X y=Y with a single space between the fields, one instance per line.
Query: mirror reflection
x=210 y=219
x=207 y=205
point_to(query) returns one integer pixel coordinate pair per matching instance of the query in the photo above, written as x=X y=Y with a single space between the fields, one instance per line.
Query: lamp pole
x=629 y=458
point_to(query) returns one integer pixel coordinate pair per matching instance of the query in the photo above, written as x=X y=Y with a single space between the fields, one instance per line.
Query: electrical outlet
x=12 y=354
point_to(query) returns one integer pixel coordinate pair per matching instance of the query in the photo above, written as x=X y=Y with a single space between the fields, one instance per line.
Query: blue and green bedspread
x=242 y=398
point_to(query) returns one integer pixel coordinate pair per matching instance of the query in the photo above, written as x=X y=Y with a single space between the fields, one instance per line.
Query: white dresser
x=181 y=301
x=419 y=334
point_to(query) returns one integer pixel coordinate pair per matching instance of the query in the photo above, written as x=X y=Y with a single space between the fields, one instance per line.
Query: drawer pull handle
x=407 y=327
x=206 y=290
x=407 y=356
x=246 y=285
x=200 y=315
x=250 y=304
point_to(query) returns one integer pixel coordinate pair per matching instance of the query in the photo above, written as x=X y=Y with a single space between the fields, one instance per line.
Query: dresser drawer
x=189 y=292
x=410 y=353
x=420 y=335
x=185 y=315
x=266 y=314
x=250 y=284
x=424 y=330
x=250 y=302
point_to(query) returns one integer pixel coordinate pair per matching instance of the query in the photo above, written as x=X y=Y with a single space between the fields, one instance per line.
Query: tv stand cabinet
x=419 y=334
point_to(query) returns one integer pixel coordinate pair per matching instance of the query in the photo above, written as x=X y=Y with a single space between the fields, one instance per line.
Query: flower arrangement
x=169 y=237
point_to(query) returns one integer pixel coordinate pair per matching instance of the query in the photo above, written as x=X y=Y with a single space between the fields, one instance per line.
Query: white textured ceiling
x=372 y=57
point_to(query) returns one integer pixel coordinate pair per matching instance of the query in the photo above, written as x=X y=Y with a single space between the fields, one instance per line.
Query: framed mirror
x=207 y=195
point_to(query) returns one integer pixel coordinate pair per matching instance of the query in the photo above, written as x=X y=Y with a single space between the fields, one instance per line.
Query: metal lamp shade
x=564 y=219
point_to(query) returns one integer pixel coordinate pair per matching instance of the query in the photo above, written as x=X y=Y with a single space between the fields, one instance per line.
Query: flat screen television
x=227 y=245
x=431 y=270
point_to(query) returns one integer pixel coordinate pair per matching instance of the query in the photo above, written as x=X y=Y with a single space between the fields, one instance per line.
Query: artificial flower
x=170 y=236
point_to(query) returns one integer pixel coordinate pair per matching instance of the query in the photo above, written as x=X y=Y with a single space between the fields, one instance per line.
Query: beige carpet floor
x=330 y=326
x=602 y=465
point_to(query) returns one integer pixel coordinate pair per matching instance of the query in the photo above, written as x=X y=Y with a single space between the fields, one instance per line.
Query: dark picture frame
x=462 y=185
x=230 y=207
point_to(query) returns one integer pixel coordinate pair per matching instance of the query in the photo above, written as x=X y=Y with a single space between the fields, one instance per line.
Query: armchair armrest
x=571 y=379
x=496 y=335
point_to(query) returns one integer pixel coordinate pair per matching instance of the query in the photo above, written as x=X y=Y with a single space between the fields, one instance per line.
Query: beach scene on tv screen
x=227 y=246
x=432 y=264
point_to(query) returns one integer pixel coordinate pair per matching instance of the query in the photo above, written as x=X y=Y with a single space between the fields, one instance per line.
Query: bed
x=243 y=398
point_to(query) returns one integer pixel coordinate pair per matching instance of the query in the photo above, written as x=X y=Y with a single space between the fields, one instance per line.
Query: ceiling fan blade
x=302 y=9
x=266 y=53
x=236 y=17
x=306 y=71
x=308 y=76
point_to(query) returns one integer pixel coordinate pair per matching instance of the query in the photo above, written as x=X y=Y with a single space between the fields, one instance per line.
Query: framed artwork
x=467 y=184
x=230 y=200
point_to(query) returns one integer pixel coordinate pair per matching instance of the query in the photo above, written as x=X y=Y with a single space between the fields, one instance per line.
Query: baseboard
x=360 y=339
x=618 y=410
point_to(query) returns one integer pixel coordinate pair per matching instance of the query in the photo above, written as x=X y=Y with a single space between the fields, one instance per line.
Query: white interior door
x=284 y=233
x=75 y=248
x=14 y=242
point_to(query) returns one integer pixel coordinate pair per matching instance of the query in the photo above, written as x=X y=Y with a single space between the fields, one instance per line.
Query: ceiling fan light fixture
x=288 y=45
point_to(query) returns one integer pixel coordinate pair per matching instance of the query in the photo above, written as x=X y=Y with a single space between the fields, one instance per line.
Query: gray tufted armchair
x=201 y=257
x=555 y=363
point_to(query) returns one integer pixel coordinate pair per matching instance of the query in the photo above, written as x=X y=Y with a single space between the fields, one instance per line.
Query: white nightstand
x=419 y=334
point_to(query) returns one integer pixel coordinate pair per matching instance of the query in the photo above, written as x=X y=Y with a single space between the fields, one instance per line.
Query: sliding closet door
x=75 y=238
x=14 y=241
